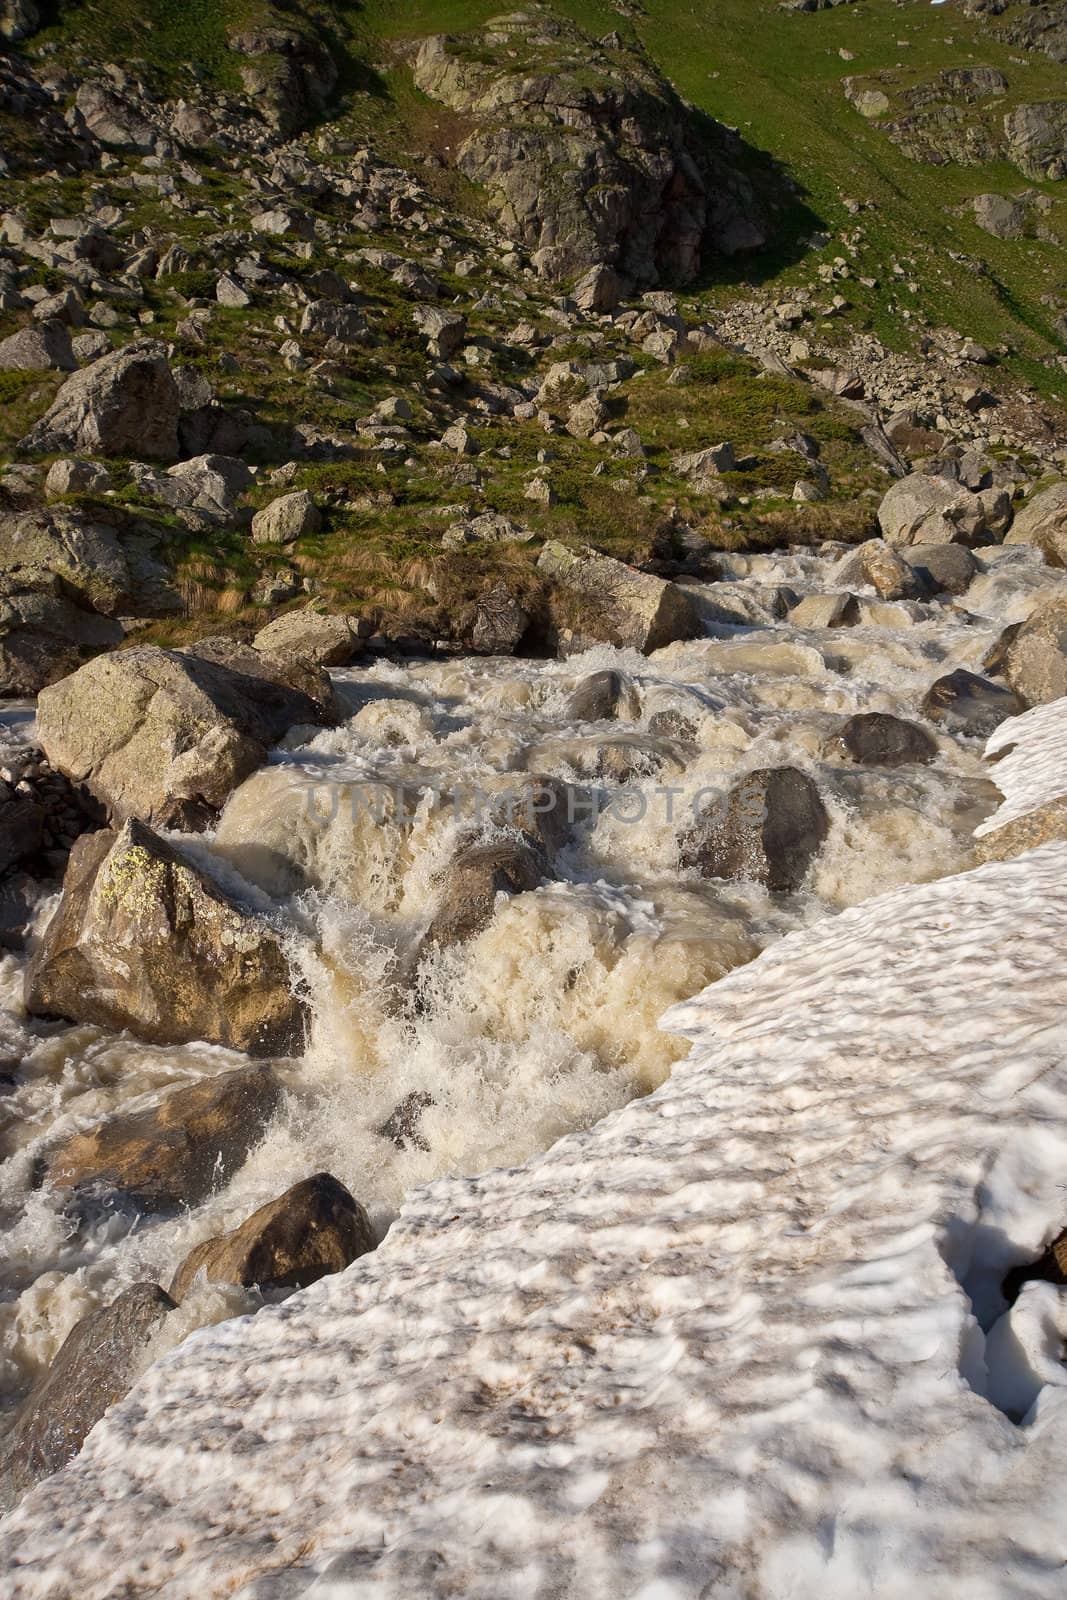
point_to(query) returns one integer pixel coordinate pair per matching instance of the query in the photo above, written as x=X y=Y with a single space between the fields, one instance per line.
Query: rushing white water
x=547 y=1019
x=744 y=1340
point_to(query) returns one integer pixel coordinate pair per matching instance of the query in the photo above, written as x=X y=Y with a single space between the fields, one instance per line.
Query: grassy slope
x=777 y=77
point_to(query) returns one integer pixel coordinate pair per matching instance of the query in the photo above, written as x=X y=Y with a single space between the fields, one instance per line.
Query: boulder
x=313 y=1229
x=286 y=670
x=824 y=611
x=964 y=703
x=329 y=319
x=472 y=881
x=144 y=939
x=286 y=519
x=604 y=600
x=586 y=155
x=125 y=404
x=489 y=527
x=1037 y=139
x=44 y=636
x=175 y=1153
x=108 y=567
x=599 y=290
x=1043 y=523
x=770 y=829
x=326 y=641
x=876 y=739
x=69 y=475
x=207 y=485
x=162 y=734
x=44 y=348
x=706 y=463
x=1003 y=218
x=1035 y=661
x=601 y=696
x=111 y=119
x=98 y=1363
x=878 y=566
x=445 y=332
x=944 y=568
x=935 y=510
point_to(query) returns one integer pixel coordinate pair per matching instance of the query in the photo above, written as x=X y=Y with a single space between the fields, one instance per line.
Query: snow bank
x=728 y=1345
x=1031 y=763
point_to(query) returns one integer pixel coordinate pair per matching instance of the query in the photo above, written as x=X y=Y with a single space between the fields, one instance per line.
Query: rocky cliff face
x=586 y=152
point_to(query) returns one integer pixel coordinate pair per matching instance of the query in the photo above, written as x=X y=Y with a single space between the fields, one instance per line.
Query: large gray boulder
x=143 y=939
x=586 y=154
x=1035 y=661
x=111 y=567
x=125 y=404
x=173 y=1154
x=935 y=510
x=45 y=348
x=1037 y=139
x=163 y=734
x=601 y=599
x=313 y=1229
x=207 y=486
x=283 y=521
x=310 y=635
x=97 y=1364
x=1043 y=523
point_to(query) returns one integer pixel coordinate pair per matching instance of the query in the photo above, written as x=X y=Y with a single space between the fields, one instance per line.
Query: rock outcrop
x=586 y=154
x=313 y=1229
x=144 y=939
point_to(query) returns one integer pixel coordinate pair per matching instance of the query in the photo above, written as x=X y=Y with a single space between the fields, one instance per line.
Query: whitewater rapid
x=547 y=1021
x=743 y=1339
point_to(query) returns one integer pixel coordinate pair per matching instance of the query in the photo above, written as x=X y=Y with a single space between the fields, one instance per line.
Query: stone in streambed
x=471 y=883
x=97 y=1364
x=877 y=739
x=313 y=1229
x=144 y=940
x=175 y=1153
x=963 y=703
x=770 y=830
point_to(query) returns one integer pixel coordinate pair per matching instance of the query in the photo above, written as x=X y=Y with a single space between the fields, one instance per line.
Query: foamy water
x=547 y=1020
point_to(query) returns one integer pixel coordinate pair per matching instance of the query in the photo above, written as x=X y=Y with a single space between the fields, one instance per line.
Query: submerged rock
x=165 y=735
x=98 y=1362
x=770 y=830
x=314 y=1228
x=175 y=1153
x=142 y=939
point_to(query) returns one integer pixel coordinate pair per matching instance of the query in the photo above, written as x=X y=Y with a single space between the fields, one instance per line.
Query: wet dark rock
x=963 y=703
x=313 y=1229
x=601 y=697
x=876 y=739
x=471 y=883
x=770 y=829
x=97 y=1364
x=944 y=568
x=174 y=1154
x=401 y=1126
